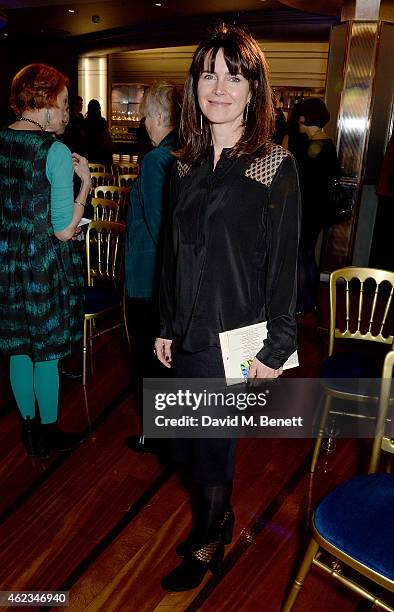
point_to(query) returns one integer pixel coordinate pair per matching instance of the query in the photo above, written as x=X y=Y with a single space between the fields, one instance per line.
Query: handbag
x=339 y=202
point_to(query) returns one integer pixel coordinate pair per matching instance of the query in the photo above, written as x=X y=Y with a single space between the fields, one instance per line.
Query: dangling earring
x=246 y=113
x=201 y=126
x=48 y=117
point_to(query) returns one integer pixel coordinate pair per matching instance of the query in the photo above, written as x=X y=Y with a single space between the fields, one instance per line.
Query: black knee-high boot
x=31 y=437
x=205 y=546
x=227 y=526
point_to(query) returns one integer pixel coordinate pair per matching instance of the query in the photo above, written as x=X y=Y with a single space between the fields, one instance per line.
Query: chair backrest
x=130 y=168
x=95 y=167
x=126 y=180
x=102 y=178
x=386 y=397
x=361 y=305
x=105 y=209
x=104 y=252
x=111 y=192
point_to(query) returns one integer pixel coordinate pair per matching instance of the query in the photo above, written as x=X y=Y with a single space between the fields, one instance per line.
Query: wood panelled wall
x=297 y=64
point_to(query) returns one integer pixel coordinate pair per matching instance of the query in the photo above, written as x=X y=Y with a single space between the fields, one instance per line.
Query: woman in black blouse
x=230 y=259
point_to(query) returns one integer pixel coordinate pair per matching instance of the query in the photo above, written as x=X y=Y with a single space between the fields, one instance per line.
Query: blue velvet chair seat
x=100 y=298
x=343 y=371
x=357 y=518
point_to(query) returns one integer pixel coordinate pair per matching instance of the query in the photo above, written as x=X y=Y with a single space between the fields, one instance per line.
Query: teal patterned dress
x=41 y=280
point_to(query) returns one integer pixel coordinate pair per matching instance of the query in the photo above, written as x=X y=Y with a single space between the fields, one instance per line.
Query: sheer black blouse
x=231 y=252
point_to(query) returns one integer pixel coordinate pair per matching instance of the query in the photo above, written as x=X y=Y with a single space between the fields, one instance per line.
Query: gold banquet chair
x=104 y=293
x=354 y=525
x=361 y=308
x=105 y=209
x=100 y=179
x=384 y=439
x=95 y=167
x=354 y=522
x=128 y=168
x=125 y=181
x=111 y=192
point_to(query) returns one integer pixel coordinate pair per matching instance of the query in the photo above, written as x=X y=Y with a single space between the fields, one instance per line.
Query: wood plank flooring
x=102 y=521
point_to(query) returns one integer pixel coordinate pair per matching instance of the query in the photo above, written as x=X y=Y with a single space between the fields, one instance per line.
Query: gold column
x=359 y=92
x=92 y=80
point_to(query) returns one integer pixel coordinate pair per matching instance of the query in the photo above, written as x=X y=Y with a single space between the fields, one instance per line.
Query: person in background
x=381 y=256
x=293 y=140
x=144 y=143
x=145 y=213
x=280 y=126
x=41 y=281
x=99 y=145
x=317 y=165
x=74 y=135
x=229 y=261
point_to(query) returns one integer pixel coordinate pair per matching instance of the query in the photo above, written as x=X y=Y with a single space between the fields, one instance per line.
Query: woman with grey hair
x=148 y=201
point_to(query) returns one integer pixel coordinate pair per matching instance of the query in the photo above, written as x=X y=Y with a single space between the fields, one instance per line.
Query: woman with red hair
x=41 y=282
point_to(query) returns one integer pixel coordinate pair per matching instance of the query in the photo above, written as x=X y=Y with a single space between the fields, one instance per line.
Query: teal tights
x=31 y=380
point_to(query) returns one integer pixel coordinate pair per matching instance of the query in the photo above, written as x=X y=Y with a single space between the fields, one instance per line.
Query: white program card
x=239 y=348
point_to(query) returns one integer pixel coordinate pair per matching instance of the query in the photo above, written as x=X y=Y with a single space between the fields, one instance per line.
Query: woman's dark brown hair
x=315 y=112
x=36 y=86
x=243 y=56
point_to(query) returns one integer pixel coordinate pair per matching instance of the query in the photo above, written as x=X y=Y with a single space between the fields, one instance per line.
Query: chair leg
x=92 y=329
x=301 y=575
x=125 y=320
x=84 y=351
x=326 y=407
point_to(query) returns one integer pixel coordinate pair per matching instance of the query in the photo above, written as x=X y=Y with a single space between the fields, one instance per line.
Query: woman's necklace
x=21 y=118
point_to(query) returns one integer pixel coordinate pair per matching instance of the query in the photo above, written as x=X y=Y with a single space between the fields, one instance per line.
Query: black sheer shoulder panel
x=263 y=169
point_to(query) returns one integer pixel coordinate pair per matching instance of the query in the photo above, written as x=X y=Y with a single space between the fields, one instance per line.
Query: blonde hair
x=163 y=97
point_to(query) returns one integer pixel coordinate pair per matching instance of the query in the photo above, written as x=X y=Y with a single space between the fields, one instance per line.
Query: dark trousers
x=142 y=318
x=209 y=461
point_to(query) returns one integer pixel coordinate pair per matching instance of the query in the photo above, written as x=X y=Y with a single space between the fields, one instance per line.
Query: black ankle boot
x=227 y=528
x=54 y=439
x=190 y=573
x=207 y=546
x=31 y=437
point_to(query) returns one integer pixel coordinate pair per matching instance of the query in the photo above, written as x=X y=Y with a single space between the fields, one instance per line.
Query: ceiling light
x=157 y=3
x=71 y=10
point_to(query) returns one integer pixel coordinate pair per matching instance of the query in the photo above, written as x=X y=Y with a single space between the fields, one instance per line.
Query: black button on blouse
x=231 y=252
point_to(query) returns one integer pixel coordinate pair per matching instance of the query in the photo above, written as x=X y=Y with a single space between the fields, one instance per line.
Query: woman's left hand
x=259 y=370
x=77 y=234
x=81 y=167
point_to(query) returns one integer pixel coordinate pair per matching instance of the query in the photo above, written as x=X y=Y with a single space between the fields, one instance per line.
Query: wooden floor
x=102 y=522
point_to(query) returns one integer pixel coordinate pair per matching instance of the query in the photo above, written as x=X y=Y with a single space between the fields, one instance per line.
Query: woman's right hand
x=81 y=167
x=163 y=351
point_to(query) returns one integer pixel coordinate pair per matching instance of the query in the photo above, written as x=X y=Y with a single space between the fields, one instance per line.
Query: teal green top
x=59 y=172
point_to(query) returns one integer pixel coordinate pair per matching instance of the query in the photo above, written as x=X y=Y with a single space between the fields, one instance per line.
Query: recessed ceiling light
x=157 y=3
x=71 y=10
x=5 y=34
